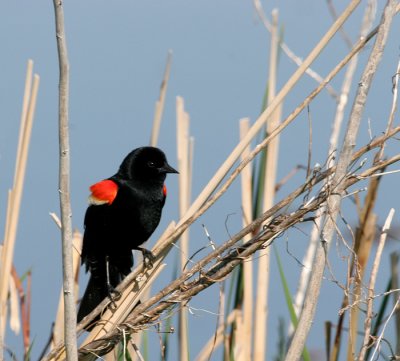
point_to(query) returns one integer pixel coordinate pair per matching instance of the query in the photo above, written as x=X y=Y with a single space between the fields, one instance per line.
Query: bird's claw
x=148 y=258
x=113 y=295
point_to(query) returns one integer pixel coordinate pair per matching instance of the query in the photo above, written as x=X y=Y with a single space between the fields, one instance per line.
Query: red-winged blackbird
x=124 y=211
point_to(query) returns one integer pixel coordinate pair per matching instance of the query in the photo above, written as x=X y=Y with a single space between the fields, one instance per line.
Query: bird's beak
x=168 y=169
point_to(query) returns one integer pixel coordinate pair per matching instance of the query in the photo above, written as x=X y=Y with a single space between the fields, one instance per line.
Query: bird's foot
x=148 y=257
x=113 y=295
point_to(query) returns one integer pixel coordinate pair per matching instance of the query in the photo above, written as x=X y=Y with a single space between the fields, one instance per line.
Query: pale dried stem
x=15 y=195
x=159 y=107
x=183 y=156
x=227 y=165
x=393 y=108
x=331 y=155
x=216 y=340
x=245 y=340
x=394 y=263
x=371 y=286
x=289 y=53
x=334 y=200
x=58 y=329
x=64 y=186
x=263 y=274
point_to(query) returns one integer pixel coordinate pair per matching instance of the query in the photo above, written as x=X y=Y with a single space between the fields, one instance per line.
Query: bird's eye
x=151 y=164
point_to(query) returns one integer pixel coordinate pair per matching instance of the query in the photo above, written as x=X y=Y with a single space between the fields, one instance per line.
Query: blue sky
x=117 y=53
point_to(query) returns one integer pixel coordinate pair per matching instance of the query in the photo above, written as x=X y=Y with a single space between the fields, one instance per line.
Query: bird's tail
x=96 y=291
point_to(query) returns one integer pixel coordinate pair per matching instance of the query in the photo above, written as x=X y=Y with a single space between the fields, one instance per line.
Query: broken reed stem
x=15 y=194
x=334 y=201
x=64 y=187
x=371 y=286
x=159 y=108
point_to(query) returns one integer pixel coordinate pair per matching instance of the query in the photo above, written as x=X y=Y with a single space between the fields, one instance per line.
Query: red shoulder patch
x=103 y=192
x=164 y=190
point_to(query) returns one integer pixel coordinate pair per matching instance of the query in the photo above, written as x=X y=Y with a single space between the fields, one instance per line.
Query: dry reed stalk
x=333 y=145
x=58 y=329
x=371 y=285
x=363 y=242
x=334 y=200
x=394 y=268
x=25 y=305
x=259 y=123
x=216 y=340
x=64 y=185
x=183 y=156
x=366 y=233
x=15 y=194
x=261 y=305
x=289 y=53
x=159 y=108
x=246 y=326
x=14 y=290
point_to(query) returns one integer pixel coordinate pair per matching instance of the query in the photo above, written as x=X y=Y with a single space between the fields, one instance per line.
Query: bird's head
x=145 y=163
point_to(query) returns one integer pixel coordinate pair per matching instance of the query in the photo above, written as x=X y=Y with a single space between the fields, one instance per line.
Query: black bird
x=124 y=211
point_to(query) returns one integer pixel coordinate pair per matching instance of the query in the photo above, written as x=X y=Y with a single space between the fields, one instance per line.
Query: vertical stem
x=64 y=188
x=261 y=307
x=334 y=200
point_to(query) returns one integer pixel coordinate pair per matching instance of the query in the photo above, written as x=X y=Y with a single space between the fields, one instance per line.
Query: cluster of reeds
x=242 y=322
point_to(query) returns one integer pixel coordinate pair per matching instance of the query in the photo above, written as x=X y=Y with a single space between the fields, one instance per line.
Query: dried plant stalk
x=159 y=108
x=261 y=305
x=64 y=185
x=226 y=166
x=371 y=285
x=15 y=194
x=183 y=156
x=246 y=339
x=334 y=201
x=216 y=340
x=58 y=330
